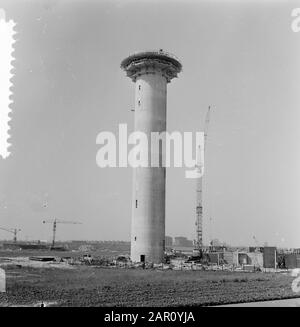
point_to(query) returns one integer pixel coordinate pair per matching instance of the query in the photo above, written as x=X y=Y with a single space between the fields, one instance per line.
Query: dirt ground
x=99 y=286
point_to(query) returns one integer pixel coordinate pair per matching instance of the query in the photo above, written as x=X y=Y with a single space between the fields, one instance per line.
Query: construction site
x=155 y=269
x=90 y=274
x=148 y=153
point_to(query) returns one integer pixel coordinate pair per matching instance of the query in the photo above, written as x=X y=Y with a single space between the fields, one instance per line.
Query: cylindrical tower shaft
x=148 y=210
x=151 y=71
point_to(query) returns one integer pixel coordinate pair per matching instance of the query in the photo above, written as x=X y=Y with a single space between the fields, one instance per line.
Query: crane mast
x=199 y=188
x=54 y=227
x=13 y=231
x=199 y=206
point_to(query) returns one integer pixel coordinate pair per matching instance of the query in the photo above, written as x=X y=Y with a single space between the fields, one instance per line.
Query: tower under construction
x=151 y=71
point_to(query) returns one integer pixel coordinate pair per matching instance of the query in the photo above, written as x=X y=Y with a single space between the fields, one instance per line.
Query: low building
x=269 y=257
x=292 y=260
x=182 y=241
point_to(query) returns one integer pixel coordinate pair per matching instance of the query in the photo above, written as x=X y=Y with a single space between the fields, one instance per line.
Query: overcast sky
x=240 y=57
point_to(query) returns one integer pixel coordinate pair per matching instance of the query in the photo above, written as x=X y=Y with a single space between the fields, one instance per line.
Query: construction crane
x=55 y=222
x=199 y=209
x=199 y=187
x=207 y=119
x=13 y=231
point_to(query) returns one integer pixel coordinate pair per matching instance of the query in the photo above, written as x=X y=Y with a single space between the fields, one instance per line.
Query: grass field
x=94 y=286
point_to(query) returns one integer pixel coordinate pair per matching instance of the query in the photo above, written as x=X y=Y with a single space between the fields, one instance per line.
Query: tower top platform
x=151 y=62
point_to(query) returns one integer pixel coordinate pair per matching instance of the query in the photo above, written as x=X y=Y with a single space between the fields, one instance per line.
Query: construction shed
x=269 y=257
x=292 y=260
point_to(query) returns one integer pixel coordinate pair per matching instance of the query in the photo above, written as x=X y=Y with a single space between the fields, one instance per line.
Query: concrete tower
x=151 y=71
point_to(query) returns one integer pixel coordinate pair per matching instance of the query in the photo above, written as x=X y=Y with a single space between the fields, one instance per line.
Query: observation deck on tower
x=151 y=62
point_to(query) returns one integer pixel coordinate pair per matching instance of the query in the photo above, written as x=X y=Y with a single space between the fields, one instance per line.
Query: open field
x=95 y=286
